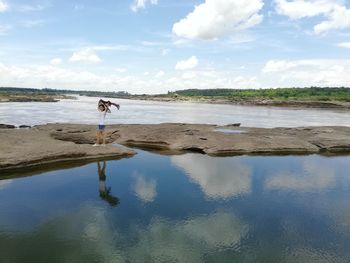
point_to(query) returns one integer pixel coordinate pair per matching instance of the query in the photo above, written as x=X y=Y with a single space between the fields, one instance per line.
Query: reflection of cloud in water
x=311 y=255
x=87 y=235
x=187 y=241
x=145 y=189
x=5 y=183
x=314 y=177
x=84 y=235
x=218 y=177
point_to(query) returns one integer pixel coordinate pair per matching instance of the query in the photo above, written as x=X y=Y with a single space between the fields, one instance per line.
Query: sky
x=156 y=46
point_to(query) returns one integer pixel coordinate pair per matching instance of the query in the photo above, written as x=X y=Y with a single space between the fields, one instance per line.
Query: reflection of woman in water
x=104 y=191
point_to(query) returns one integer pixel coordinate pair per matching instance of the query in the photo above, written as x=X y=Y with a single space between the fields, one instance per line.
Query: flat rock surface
x=35 y=146
x=56 y=142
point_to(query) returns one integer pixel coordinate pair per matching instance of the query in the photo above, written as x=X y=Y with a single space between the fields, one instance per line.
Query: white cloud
x=86 y=55
x=56 y=61
x=190 y=63
x=159 y=74
x=78 y=6
x=339 y=18
x=44 y=75
x=3 y=6
x=150 y=43
x=165 y=51
x=181 y=41
x=313 y=72
x=217 y=18
x=110 y=48
x=141 y=4
x=189 y=75
x=120 y=70
x=273 y=66
x=31 y=8
x=66 y=78
x=336 y=14
x=297 y=9
x=344 y=44
x=4 y=29
x=241 y=39
x=115 y=47
x=241 y=82
x=212 y=79
x=32 y=23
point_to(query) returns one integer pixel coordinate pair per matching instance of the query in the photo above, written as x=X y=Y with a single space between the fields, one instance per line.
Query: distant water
x=84 y=110
x=185 y=208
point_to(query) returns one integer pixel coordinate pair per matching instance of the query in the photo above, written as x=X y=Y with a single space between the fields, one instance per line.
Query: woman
x=103 y=108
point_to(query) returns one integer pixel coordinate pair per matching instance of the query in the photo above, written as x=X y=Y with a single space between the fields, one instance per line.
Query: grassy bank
x=19 y=95
x=281 y=94
x=295 y=97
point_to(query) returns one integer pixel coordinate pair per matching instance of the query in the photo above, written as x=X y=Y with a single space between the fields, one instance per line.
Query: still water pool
x=183 y=208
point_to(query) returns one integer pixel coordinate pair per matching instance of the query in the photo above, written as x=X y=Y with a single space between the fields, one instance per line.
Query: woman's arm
x=103 y=101
x=109 y=103
x=117 y=105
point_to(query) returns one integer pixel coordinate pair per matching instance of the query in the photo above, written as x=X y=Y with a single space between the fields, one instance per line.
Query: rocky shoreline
x=32 y=97
x=246 y=102
x=54 y=143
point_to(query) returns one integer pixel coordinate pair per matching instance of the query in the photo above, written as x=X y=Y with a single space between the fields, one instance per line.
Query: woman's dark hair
x=105 y=105
x=102 y=106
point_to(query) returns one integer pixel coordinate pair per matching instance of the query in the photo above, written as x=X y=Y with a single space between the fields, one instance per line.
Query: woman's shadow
x=105 y=192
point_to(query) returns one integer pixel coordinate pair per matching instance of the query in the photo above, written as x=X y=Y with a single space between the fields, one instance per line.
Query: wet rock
x=233 y=125
x=7 y=126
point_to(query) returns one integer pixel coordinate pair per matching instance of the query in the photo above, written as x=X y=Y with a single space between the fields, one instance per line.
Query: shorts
x=101 y=127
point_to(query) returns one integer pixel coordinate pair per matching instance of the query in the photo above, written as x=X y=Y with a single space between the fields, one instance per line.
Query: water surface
x=183 y=208
x=84 y=111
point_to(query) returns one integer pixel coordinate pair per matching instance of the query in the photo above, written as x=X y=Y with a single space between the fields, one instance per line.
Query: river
x=183 y=208
x=180 y=208
x=83 y=110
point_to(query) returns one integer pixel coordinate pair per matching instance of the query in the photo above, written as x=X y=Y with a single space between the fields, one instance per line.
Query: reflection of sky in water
x=217 y=177
x=315 y=177
x=186 y=208
x=145 y=189
x=84 y=110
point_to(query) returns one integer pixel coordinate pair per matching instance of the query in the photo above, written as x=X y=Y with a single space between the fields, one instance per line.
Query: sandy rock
x=29 y=147
x=57 y=142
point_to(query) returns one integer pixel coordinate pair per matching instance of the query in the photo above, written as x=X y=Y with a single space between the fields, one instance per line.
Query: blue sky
x=153 y=46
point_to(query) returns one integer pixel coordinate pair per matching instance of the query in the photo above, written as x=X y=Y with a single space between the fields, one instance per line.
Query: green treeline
x=341 y=94
x=313 y=93
x=61 y=92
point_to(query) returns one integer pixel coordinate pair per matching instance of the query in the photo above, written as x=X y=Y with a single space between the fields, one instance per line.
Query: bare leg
x=103 y=137
x=98 y=137
x=104 y=167
x=99 y=169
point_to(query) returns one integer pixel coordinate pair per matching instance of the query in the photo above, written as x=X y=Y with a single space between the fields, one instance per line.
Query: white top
x=102 y=186
x=102 y=116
